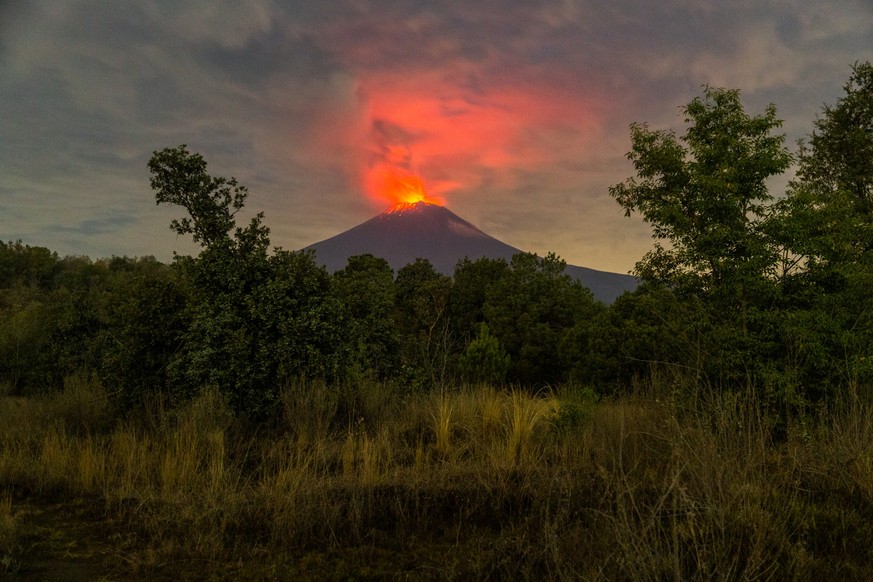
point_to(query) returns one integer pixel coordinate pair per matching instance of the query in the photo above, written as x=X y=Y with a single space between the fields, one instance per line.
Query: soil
x=78 y=540
x=65 y=541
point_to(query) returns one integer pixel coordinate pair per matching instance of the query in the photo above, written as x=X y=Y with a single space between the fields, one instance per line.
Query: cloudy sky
x=515 y=113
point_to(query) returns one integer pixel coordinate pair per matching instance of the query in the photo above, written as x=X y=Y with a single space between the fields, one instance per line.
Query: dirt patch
x=65 y=541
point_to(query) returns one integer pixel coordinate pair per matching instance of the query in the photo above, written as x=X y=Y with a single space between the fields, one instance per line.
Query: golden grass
x=516 y=484
x=525 y=415
x=444 y=407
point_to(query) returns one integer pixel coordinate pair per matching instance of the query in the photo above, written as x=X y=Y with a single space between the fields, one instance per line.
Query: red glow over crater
x=461 y=140
x=396 y=186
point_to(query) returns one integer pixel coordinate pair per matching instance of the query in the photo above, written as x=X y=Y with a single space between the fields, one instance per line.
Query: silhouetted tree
x=826 y=226
x=257 y=319
x=706 y=195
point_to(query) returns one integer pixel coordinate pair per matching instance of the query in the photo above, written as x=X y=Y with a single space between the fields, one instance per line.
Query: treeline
x=742 y=290
x=249 y=321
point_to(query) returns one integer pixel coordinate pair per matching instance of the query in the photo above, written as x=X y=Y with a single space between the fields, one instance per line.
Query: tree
x=829 y=209
x=27 y=275
x=641 y=332
x=470 y=285
x=705 y=194
x=256 y=319
x=179 y=177
x=77 y=314
x=839 y=157
x=144 y=321
x=421 y=317
x=365 y=293
x=484 y=360
x=530 y=310
x=826 y=227
x=25 y=325
x=24 y=265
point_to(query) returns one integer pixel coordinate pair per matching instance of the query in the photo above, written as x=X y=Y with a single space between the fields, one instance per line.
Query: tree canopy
x=706 y=195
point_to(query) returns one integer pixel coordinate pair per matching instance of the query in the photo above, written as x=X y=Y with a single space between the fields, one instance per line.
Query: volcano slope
x=407 y=232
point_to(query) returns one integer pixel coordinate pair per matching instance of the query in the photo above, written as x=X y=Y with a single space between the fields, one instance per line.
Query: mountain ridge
x=408 y=231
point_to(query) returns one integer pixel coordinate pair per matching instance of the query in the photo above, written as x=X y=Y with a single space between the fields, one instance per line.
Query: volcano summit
x=408 y=231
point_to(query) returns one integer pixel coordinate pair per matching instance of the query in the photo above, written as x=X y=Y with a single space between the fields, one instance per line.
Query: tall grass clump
x=525 y=415
x=192 y=448
x=848 y=443
x=443 y=423
x=309 y=410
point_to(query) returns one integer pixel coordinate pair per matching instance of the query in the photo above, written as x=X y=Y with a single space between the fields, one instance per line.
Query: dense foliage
x=774 y=292
x=744 y=287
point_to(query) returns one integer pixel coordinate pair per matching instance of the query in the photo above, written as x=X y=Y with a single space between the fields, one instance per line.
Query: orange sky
x=428 y=131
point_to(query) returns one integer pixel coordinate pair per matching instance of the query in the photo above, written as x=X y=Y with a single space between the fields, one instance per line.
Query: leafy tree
x=179 y=177
x=365 y=293
x=24 y=265
x=471 y=282
x=826 y=227
x=257 y=319
x=298 y=321
x=829 y=210
x=839 y=156
x=27 y=275
x=530 y=310
x=705 y=194
x=421 y=316
x=644 y=331
x=144 y=318
x=484 y=360
x=25 y=357
x=77 y=312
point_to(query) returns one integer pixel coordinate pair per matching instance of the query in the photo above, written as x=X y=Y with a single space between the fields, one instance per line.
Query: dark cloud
x=105 y=225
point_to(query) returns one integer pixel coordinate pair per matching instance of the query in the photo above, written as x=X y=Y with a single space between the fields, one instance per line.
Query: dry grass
x=474 y=482
x=8 y=536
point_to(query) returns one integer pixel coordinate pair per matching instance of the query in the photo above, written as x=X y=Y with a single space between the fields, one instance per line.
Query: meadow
x=374 y=481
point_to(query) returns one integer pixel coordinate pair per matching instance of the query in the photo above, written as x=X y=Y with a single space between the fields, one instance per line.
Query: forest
x=244 y=413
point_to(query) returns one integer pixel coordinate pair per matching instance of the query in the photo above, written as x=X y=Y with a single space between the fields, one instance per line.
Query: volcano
x=406 y=232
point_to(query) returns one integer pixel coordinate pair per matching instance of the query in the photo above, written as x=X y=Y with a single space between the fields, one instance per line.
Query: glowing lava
x=397 y=186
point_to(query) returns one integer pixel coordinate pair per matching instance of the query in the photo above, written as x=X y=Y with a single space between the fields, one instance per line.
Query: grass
x=375 y=482
x=8 y=536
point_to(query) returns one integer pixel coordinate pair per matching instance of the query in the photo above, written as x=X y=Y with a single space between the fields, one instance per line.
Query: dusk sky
x=514 y=113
